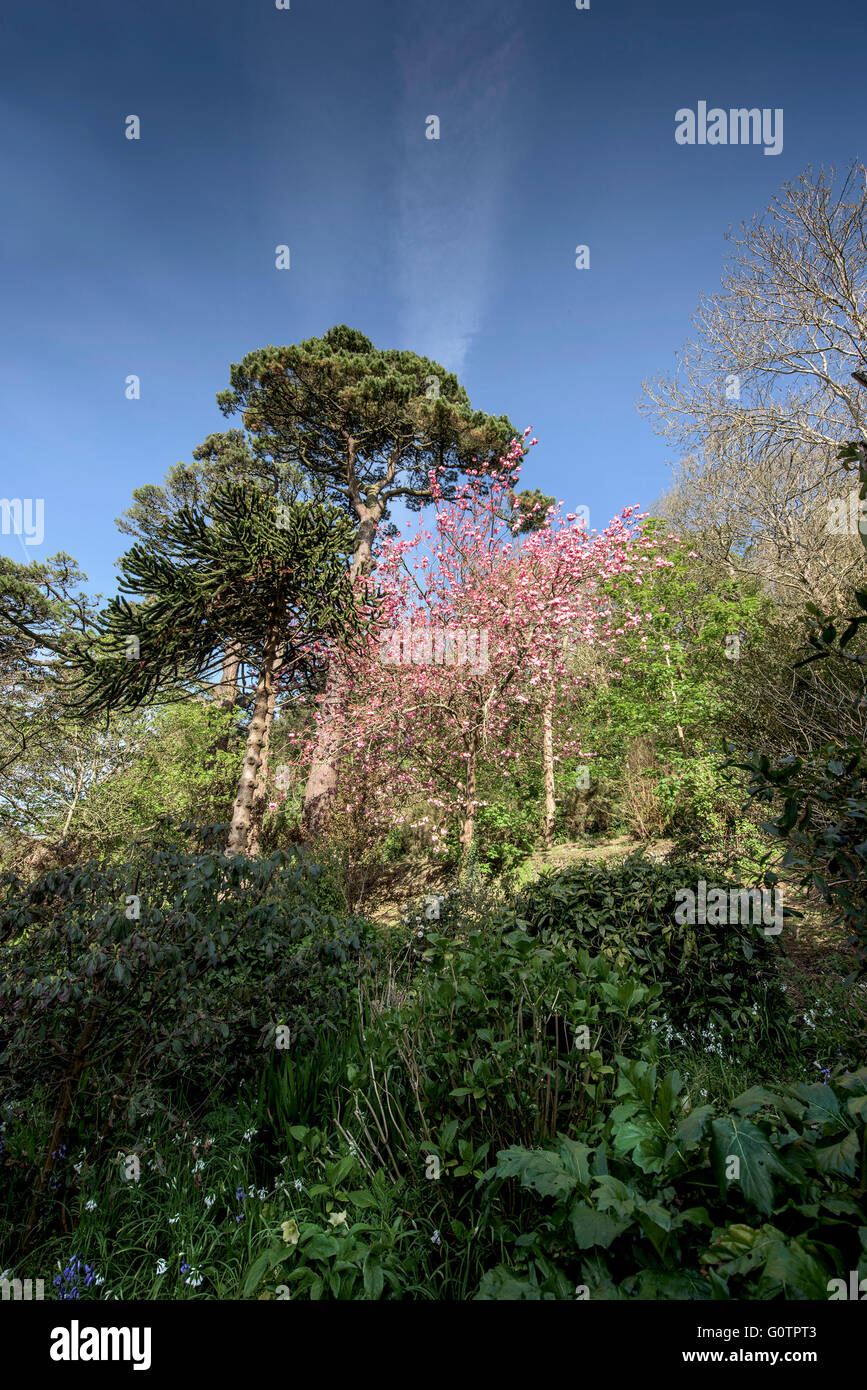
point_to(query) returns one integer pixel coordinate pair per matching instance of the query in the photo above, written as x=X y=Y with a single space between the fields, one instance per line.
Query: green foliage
x=303 y=1085
x=654 y=728
x=821 y=818
x=172 y=769
x=405 y=414
x=716 y=980
x=457 y=1135
x=504 y=1037
x=225 y=457
x=656 y=1208
x=115 y=1016
x=49 y=760
x=346 y=1248
x=506 y=833
x=530 y=510
x=241 y=575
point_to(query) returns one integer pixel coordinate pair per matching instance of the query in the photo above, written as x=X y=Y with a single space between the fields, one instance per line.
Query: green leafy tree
x=230 y=456
x=657 y=721
x=48 y=758
x=530 y=510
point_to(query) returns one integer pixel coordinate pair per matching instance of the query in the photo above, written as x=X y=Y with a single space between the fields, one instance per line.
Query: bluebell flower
x=74 y=1277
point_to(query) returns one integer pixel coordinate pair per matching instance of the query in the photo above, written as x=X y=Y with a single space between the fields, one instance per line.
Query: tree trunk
x=226 y=696
x=468 y=828
x=321 y=789
x=242 y=811
x=548 y=765
x=79 y=783
x=261 y=789
x=674 y=698
x=226 y=693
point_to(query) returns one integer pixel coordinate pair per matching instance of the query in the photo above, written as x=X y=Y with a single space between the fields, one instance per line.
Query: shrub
x=505 y=834
x=111 y=1013
x=820 y=806
x=502 y=1037
x=717 y=979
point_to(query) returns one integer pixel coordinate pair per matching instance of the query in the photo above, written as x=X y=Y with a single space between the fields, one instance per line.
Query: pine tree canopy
x=244 y=571
x=370 y=423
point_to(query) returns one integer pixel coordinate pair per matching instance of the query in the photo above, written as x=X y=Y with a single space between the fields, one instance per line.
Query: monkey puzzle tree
x=225 y=457
x=368 y=425
x=269 y=579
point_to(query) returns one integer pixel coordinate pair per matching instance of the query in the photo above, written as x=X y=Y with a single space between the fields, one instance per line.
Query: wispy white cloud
x=452 y=193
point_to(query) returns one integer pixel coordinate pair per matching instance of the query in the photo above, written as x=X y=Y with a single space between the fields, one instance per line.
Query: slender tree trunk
x=79 y=783
x=548 y=765
x=242 y=811
x=468 y=828
x=674 y=698
x=226 y=696
x=321 y=789
x=261 y=789
x=226 y=693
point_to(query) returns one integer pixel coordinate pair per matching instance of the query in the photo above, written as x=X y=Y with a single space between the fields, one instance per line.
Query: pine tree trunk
x=242 y=811
x=226 y=693
x=548 y=766
x=261 y=789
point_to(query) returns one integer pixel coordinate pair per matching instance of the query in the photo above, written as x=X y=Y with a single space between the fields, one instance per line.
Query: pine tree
x=229 y=456
x=268 y=579
x=368 y=425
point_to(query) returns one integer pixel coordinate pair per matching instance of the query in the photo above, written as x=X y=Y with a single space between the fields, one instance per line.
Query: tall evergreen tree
x=229 y=456
x=368 y=425
x=269 y=579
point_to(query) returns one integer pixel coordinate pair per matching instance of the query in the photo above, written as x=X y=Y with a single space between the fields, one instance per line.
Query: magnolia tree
x=471 y=659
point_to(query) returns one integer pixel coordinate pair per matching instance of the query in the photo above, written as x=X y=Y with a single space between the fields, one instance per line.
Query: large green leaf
x=789 y=1263
x=267 y=1261
x=692 y=1128
x=840 y=1157
x=733 y=1137
x=823 y=1107
x=591 y=1227
x=537 y=1169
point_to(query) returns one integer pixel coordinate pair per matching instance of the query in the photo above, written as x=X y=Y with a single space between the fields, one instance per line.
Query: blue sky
x=306 y=127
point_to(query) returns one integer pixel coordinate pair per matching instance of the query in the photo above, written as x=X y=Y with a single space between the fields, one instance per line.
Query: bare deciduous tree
x=763 y=394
